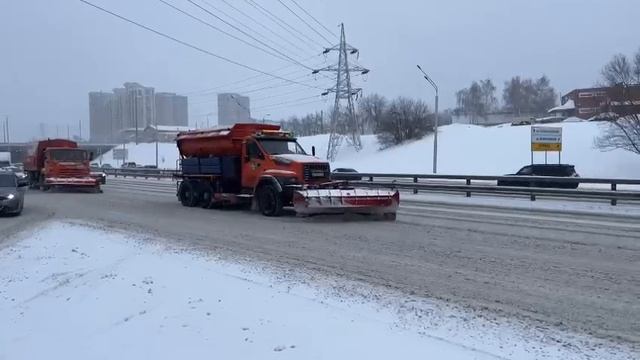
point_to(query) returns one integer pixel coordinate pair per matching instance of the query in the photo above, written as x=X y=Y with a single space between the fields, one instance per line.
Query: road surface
x=580 y=272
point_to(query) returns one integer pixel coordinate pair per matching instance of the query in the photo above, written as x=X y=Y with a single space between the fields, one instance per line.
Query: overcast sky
x=55 y=51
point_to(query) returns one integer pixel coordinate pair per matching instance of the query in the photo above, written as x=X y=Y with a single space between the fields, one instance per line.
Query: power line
x=263 y=26
x=184 y=43
x=296 y=91
x=208 y=90
x=305 y=22
x=279 y=22
x=270 y=108
x=314 y=19
x=220 y=30
x=275 y=86
x=241 y=88
x=245 y=26
x=211 y=91
x=286 y=102
x=249 y=35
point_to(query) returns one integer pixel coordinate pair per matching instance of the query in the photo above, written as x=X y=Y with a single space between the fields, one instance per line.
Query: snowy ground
x=76 y=292
x=462 y=149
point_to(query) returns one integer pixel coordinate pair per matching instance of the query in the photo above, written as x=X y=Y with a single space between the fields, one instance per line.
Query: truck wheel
x=186 y=194
x=269 y=201
x=206 y=195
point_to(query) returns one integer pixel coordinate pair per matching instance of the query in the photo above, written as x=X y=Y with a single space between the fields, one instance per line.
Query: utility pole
x=435 y=131
x=68 y=132
x=156 y=121
x=344 y=91
x=80 y=129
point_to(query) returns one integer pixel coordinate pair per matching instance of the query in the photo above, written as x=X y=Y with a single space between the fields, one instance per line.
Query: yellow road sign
x=546 y=147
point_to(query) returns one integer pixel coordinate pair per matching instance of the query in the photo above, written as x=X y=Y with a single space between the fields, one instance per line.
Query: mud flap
x=338 y=201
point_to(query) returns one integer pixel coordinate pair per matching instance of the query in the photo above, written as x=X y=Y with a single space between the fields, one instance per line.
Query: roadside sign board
x=120 y=154
x=546 y=138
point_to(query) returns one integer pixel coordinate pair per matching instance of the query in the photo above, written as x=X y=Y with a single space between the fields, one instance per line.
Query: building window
x=587 y=110
x=585 y=94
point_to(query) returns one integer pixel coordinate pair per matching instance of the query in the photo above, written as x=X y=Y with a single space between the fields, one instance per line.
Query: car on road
x=17 y=171
x=107 y=166
x=12 y=191
x=129 y=165
x=551 y=170
x=101 y=176
x=345 y=174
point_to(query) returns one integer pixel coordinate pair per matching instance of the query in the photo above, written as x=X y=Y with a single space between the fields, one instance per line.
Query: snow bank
x=462 y=149
x=73 y=292
x=477 y=150
x=145 y=154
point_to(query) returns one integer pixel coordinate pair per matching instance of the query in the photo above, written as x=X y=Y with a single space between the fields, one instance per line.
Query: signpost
x=120 y=154
x=546 y=138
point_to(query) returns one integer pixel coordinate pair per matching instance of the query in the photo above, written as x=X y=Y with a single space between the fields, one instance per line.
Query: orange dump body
x=218 y=142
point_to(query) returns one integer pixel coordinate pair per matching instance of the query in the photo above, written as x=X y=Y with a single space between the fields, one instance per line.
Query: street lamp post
x=435 y=132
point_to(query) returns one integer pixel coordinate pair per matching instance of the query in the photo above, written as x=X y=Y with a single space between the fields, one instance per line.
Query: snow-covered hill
x=462 y=149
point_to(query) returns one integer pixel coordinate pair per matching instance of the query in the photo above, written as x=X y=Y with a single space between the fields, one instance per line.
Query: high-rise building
x=140 y=106
x=131 y=109
x=233 y=108
x=171 y=109
x=100 y=115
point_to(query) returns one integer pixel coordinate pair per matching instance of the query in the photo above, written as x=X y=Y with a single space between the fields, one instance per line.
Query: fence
x=532 y=186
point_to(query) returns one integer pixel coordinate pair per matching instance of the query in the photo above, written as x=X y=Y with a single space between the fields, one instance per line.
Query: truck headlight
x=10 y=196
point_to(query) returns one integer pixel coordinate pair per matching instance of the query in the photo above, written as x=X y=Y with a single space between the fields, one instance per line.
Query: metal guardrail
x=145 y=173
x=425 y=182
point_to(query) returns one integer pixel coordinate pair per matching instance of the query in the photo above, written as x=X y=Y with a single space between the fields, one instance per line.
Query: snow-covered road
x=73 y=291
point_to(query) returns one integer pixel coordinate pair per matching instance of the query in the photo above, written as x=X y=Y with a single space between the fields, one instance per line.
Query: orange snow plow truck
x=261 y=165
x=59 y=163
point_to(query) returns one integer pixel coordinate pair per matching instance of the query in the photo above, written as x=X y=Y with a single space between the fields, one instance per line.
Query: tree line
x=392 y=121
x=520 y=96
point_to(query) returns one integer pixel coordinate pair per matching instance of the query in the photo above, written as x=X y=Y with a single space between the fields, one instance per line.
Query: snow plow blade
x=61 y=181
x=340 y=201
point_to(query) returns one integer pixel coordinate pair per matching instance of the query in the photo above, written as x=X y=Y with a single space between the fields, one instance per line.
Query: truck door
x=252 y=164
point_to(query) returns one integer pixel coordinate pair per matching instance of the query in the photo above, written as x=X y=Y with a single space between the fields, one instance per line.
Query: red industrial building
x=592 y=103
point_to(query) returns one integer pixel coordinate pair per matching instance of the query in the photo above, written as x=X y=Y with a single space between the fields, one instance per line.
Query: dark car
x=553 y=170
x=345 y=174
x=12 y=192
x=129 y=165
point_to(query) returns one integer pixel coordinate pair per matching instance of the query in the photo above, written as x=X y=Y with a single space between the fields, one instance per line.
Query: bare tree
x=525 y=96
x=622 y=133
x=371 y=110
x=478 y=100
x=310 y=124
x=545 y=96
x=405 y=119
x=618 y=70
x=636 y=67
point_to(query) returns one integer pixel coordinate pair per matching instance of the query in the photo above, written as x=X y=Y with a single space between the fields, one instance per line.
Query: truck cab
x=278 y=155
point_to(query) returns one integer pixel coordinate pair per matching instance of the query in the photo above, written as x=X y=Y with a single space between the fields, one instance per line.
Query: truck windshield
x=4 y=164
x=7 y=180
x=68 y=155
x=278 y=146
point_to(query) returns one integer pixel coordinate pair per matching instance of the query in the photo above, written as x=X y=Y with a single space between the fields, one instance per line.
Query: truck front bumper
x=80 y=181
